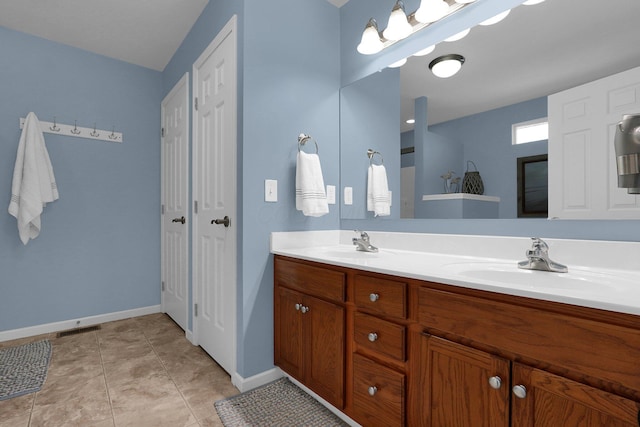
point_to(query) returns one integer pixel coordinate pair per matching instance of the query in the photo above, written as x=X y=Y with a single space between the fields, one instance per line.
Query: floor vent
x=78 y=331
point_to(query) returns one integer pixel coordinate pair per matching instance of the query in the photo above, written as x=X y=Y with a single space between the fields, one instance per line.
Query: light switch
x=348 y=195
x=331 y=194
x=270 y=190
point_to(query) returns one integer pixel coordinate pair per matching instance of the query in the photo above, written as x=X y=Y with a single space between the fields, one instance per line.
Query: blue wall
x=370 y=118
x=99 y=248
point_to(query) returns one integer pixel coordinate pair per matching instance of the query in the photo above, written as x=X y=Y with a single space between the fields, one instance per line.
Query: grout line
x=104 y=375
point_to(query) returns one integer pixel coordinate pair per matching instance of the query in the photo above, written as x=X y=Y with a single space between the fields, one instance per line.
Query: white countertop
x=602 y=274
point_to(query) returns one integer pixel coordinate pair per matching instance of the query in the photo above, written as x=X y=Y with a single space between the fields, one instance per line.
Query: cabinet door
x=288 y=346
x=456 y=388
x=324 y=331
x=552 y=401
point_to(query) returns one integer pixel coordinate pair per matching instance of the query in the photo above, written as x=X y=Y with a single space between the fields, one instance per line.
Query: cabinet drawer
x=380 y=335
x=387 y=297
x=317 y=281
x=378 y=394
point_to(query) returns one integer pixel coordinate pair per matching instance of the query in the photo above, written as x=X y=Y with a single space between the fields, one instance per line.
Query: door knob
x=224 y=221
x=180 y=220
x=372 y=390
x=373 y=336
x=495 y=382
x=374 y=297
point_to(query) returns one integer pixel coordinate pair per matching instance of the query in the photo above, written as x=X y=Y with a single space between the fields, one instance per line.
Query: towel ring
x=303 y=138
x=371 y=152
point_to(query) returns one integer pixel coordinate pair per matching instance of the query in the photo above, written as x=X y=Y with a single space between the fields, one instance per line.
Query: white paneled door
x=175 y=202
x=214 y=192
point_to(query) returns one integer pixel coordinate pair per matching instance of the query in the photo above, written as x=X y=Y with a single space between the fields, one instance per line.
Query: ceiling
x=141 y=32
x=536 y=51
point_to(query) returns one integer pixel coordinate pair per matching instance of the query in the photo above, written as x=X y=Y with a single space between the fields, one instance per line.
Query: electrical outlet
x=331 y=194
x=270 y=190
x=348 y=195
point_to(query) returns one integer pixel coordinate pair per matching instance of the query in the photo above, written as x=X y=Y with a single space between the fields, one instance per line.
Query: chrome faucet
x=362 y=242
x=538 y=258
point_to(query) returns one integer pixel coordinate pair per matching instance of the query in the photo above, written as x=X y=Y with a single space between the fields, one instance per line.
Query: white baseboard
x=245 y=384
x=78 y=322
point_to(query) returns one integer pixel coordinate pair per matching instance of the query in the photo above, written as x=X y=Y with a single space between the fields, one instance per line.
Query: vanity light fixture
x=370 y=42
x=425 y=51
x=446 y=65
x=398 y=27
x=431 y=11
x=410 y=121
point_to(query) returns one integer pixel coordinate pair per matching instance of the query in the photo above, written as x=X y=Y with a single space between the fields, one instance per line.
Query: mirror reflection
x=465 y=122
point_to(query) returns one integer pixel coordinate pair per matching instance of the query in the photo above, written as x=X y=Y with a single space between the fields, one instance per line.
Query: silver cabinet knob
x=373 y=390
x=298 y=307
x=374 y=297
x=520 y=391
x=495 y=382
x=373 y=336
x=304 y=309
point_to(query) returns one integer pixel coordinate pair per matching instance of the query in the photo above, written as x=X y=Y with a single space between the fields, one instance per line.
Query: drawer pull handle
x=304 y=309
x=374 y=297
x=373 y=337
x=373 y=390
x=520 y=391
x=495 y=382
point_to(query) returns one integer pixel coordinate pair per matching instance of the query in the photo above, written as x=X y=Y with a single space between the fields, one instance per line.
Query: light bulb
x=398 y=27
x=431 y=11
x=497 y=18
x=466 y=1
x=532 y=2
x=370 y=42
x=399 y=63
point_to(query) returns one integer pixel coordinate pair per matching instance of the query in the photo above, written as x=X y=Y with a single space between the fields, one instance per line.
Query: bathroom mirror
x=510 y=68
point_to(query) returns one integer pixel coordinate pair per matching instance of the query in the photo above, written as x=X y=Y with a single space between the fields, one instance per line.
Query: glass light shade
x=532 y=2
x=446 y=65
x=497 y=18
x=458 y=36
x=370 y=42
x=398 y=27
x=399 y=63
x=431 y=11
x=410 y=121
x=425 y=51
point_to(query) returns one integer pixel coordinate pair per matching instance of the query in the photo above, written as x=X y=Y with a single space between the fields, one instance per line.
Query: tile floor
x=136 y=372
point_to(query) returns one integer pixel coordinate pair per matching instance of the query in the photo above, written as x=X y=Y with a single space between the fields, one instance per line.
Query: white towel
x=311 y=198
x=378 y=191
x=33 y=182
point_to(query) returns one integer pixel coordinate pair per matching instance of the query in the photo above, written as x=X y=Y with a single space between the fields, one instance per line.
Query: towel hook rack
x=303 y=138
x=75 y=129
x=95 y=133
x=371 y=152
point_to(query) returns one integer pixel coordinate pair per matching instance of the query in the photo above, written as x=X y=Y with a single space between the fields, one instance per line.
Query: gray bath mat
x=279 y=403
x=23 y=369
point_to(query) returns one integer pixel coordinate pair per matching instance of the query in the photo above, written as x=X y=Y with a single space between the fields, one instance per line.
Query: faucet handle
x=362 y=234
x=539 y=244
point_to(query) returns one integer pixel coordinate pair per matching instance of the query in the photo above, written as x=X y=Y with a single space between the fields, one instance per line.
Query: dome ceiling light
x=446 y=65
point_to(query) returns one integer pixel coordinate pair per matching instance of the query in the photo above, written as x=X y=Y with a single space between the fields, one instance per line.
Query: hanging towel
x=378 y=200
x=33 y=182
x=311 y=198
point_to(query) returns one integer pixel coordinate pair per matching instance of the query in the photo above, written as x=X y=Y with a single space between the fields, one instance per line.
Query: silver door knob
x=181 y=220
x=298 y=307
x=520 y=391
x=373 y=390
x=304 y=309
x=373 y=336
x=374 y=297
x=224 y=221
x=495 y=382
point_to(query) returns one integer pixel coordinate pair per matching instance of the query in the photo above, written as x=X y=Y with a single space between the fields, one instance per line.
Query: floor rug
x=279 y=403
x=23 y=369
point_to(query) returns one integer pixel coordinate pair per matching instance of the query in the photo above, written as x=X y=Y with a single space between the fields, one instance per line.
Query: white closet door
x=214 y=190
x=175 y=202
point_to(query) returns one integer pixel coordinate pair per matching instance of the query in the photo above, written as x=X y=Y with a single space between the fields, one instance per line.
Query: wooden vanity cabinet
x=309 y=332
x=486 y=361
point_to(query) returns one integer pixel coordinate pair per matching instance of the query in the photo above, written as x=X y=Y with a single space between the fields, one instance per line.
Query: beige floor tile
x=144 y=393
x=18 y=406
x=87 y=410
x=163 y=413
x=83 y=385
x=18 y=421
x=122 y=372
x=211 y=422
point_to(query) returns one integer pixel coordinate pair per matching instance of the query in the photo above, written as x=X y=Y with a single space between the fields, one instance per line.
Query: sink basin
x=509 y=274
